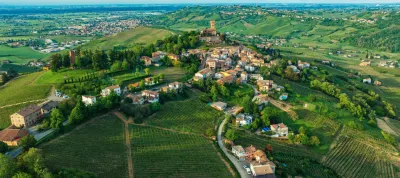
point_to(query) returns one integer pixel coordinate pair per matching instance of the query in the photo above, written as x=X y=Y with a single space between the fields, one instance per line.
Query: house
x=367 y=80
x=203 y=74
x=239 y=152
x=243 y=119
x=377 y=83
x=303 y=65
x=294 y=68
x=265 y=85
x=151 y=96
x=226 y=80
x=261 y=165
x=235 y=110
x=244 y=77
x=174 y=57
x=48 y=106
x=219 y=105
x=365 y=63
x=256 y=76
x=284 y=97
x=250 y=68
x=46 y=67
x=27 y=116
x=156 y=56
x=12 y=136
x=149 y=81
x=136 y=99
x=280 y=129
x=211 y=63
x=88 y=100
x=250 y=150
x=107 y=91
x=134 y=86
x=146 y=60
x=261 y=100
x=172 y=87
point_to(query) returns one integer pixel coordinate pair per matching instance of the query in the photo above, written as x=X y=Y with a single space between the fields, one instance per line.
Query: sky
x=46 y=2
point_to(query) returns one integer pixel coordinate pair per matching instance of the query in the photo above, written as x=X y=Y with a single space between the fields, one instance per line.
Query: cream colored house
x=27 y=116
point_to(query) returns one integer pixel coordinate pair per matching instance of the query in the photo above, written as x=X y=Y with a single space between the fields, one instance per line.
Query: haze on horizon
x=67 y=2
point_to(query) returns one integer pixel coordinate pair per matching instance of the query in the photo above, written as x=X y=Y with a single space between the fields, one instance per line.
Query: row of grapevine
x=352 y=158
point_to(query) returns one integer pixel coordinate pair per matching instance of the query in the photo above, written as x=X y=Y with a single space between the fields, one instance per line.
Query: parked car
x=65 y=96
x=245 y=166
x=248 y=171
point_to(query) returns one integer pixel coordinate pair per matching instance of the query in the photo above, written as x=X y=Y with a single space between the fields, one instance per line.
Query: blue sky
x=38 y=2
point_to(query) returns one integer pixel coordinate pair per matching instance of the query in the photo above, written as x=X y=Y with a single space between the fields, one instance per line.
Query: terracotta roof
x=12 y=134
x=113 y=87
x=281 y=125
x=250 y=149
x=26 y=111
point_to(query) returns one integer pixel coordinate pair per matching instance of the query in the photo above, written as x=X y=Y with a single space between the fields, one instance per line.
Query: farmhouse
x=172 y=87
x=377 y=83
x=88 y=100
x=303 y=65
x=261 y=166
x=151 y=96
x=280 y=129
x=12 y=136
x=265 y=85
x=146 y=60
x=156 y=56
x=367 y=80
x=365 y=63
x=48 y=106
x=136 y=99
x=239 y=152
x=27 y=116
x=261 y=100
x=107 y=91
x=219 y=105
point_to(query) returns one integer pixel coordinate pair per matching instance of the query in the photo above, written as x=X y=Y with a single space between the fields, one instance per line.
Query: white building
x=107 y=91
x=88 y=100
x=239 y=152
x=243 y=119
x=280 y=129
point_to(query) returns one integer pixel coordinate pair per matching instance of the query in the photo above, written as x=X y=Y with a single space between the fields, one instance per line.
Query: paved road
x=238 y=164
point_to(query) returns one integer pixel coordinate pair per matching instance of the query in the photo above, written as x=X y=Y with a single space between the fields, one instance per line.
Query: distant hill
x=140 y=35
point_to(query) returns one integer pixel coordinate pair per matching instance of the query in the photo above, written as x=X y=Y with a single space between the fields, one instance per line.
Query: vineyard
x=97 y=147
x=351 y=158
x=295 y=157
x=190 y=115
x=161 y=153
x=394 y=124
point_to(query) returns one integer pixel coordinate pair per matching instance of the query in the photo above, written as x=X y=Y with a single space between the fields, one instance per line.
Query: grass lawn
x=172 y=74
x=50 y=77
x=190 y=115
x=97 y=147
x=161 y=153
x=21 y=52
x=140 y=35
x=23 y=89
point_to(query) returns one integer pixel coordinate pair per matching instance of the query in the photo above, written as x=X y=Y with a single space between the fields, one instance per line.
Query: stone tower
x=212 y=24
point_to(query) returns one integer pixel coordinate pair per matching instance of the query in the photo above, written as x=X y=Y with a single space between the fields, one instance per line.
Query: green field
x=351 y=158
x=161 y=153
x=172 y=74
x=98 y=147
x=18 y=68
x=190 y=115
x=140 y=35
x=50 y=77
x=20 y=55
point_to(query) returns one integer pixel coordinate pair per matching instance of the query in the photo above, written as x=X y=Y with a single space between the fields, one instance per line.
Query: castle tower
x=212 y=24
x=72 y=57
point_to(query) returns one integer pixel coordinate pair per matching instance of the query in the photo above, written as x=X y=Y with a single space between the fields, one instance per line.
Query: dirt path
x=22 y=103
x=385 y=127
x=284 y=107
x=127 y=141
x=333 y=144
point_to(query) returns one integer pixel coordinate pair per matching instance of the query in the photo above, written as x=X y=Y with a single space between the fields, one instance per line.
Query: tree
x=302 y=130
x=33 y=162
x=389 y=138
x=7 y=166
x=314 y=141
x=268 y=148
x=28 y=142
x=77 y=114
x=125 y=65
x=116 y=66
x=224 y=91
x=22 y=175
x=210 y=132
x=75 y=173
x=142 y=84
x=3 y=147
x=247 y=104
x=56 y=118
x=231 y=135
x=214 y=93
x=147 y=71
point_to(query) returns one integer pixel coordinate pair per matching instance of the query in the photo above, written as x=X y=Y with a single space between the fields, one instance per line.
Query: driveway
x=238 y=164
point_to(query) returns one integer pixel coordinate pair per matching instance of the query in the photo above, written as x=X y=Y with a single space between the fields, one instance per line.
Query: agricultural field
x=352 y=158
x=18 y=68
x=172 y=74
x=190 y=115
x=139 y=35
x=162 y=153
x=97 y=146
x=20 y=55
x=23 y=89
x=50 y=77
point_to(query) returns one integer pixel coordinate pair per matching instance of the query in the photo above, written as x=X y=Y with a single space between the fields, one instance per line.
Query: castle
x=210 y=35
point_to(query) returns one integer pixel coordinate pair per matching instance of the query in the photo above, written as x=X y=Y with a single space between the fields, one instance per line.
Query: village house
x=303 y=65
x=156 y=56
x=226 y=80
x=243 y=119
x=107 y=91
x=27 y=116
x=136 y=99
x=211 y=63
x=88 y=100
x=260 y=165
x=239 y=152
x=257 y=77
x=48 y=106
x=146 y=60
x=280 y=129
x=244 y=77
x=172 y=87
x=12 y=136
x=250 y=68
x=377 y=83
x=325 y=62
x=219 y=105
x=365 y=63
x=265 y=85
x=367 y=80
x=134 y=85
x=174 y=57
x=151 y=96
x=149 y=81
x=261 y=100
x=294 y=68
x=203 y=74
